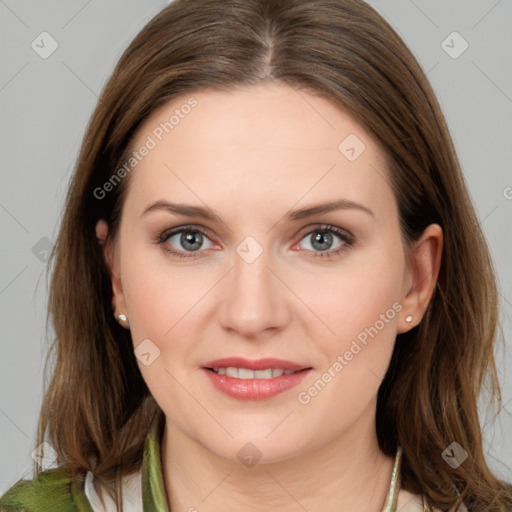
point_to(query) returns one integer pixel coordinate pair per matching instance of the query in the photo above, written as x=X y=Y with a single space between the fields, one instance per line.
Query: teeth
x=261 y=374
x=232 y=372
x=245 y=373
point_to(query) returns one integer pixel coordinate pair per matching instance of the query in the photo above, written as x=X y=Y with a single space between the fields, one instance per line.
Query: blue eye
x=321 y=240
x=190 y=240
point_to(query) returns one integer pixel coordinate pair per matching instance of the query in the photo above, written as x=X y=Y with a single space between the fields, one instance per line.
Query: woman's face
x=269 y=273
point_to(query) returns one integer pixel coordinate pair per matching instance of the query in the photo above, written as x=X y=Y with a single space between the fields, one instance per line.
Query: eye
x=322 y=238
x=187 y=239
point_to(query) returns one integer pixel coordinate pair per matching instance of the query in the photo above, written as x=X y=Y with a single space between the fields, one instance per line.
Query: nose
x=255 y=301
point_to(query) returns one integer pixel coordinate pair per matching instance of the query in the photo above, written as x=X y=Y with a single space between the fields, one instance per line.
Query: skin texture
x=252 y=156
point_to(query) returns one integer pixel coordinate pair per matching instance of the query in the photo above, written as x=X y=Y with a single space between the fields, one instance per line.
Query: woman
x=270 y=288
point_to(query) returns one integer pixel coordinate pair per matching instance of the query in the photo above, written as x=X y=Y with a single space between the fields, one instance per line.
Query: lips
x=246 y=379
x=259 y=364
x=245 y=373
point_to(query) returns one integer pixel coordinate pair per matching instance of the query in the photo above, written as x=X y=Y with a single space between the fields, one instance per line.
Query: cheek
x=161 y=303
x=362 y=312
x=157 y=296
x=365 y=285
x=361 y=305
x=165 y=305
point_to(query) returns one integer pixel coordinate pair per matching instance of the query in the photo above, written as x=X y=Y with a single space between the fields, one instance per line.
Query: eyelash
x=347 y=238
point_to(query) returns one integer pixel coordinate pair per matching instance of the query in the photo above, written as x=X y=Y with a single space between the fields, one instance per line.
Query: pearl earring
x=408 y=319
x=123 y=320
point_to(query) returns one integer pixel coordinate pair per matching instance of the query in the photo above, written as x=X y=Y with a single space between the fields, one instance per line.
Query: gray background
x=45 y=105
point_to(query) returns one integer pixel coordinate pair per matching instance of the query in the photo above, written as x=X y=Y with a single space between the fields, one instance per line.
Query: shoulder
x=52 y=489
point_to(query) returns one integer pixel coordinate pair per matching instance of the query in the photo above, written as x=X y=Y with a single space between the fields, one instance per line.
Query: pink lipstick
x=260 y=379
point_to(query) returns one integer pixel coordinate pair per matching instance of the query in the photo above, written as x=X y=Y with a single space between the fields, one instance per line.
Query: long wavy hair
x=97 y=409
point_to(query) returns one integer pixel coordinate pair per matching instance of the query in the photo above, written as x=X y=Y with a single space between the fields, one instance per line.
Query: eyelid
x=341 y=232
x=166 y=233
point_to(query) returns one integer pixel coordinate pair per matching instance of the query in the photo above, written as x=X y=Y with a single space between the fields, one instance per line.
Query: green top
x=53 y=490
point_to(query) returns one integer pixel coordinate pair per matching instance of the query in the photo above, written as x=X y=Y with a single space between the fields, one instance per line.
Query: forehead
x=267 y=141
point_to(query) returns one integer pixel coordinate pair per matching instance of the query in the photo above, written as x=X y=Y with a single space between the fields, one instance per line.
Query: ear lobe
x=425 y=263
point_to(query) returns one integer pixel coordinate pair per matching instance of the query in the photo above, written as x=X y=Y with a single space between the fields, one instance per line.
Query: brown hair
x=97 y=408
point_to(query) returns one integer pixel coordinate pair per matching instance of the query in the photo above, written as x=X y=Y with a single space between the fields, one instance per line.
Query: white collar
x=132 y=494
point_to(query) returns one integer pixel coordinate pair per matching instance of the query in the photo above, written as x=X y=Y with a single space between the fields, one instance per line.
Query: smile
x=245 y=384
x=246 y=373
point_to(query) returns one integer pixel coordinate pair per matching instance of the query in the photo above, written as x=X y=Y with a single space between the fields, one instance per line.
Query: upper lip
x=256 y=364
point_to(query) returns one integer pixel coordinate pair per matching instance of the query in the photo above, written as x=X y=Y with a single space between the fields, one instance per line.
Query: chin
x=256 y=450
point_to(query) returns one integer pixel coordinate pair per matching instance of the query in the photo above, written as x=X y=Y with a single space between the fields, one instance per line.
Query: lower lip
x=254 y=389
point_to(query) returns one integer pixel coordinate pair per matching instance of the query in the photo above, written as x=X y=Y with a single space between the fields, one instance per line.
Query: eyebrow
x=208 y=214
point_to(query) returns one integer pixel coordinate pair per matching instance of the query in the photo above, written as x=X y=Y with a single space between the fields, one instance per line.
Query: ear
x=112 y=261
x=421 y=276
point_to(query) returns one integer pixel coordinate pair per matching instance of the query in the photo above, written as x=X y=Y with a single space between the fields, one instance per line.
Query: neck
x=350 y=473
